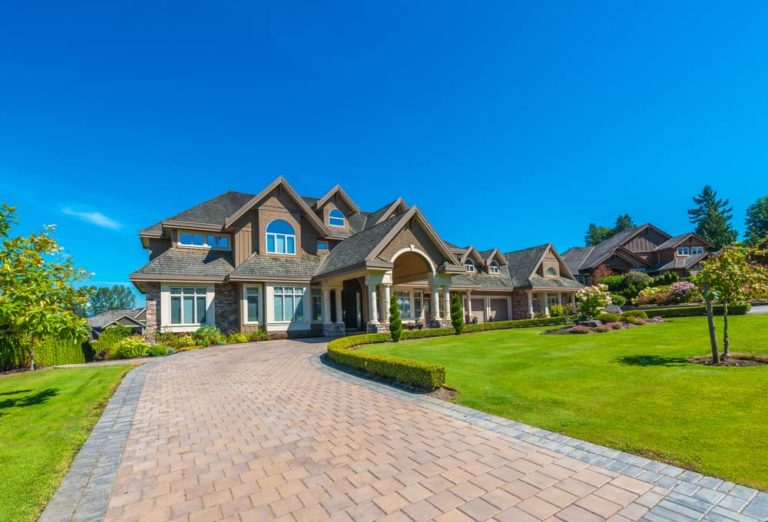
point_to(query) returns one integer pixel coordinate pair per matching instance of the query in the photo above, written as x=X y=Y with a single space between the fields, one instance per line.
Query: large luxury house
x=644 y=249
x=282 y=262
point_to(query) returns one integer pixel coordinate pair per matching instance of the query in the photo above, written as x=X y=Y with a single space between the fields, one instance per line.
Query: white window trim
x=165 y=307
x=469 y=266
x=343 y=219
x=244 y=304
x=205 y=238
x=283 y=326
x=494 y=269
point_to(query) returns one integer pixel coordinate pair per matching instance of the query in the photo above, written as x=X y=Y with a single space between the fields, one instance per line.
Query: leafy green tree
x=457 y=314
x=733 y=276
x=597 y=234
x=395 y=323
x=103 y=299
x=38 y=299
x=757 y=222
x=623 y=222
x=712 y=217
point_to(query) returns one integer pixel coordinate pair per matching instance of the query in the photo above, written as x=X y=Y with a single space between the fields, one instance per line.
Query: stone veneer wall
x=153 y=310
x=227 y=307
x=519 y=305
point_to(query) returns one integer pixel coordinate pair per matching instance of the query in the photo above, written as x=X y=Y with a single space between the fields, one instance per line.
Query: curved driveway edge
x=84 y=492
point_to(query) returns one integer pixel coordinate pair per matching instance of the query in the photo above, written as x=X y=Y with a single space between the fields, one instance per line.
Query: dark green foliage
x=712 y=217
x=628 y=285
x=623 y=222
x=608 y=318
x=105 y=298
x=457 y=314
x=665 y=279
x=757 y=222
x=618 y=299
x=208 y=336
x=106 y=344
x=427 y=332
x=395 y=323
x=131 y=347
x=418 y=374
x=597 y=234
x=516 y=323
x=157 y=350
x=615 y=283
x=175 y=340
x=691 y=311
x=57 y=351
x=635 y=313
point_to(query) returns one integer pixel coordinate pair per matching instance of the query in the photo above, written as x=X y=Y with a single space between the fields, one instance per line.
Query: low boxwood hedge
x=418 y=374
x=692 y=311
x=516 y=323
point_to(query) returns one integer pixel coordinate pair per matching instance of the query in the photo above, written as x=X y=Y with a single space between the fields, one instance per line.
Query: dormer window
x=683 y=251
x=198 y=239
x=322 y=246
x=697 y=250
x=493 y=268
x=551 y=271
x=469 y=265
x=281 y=239
x=336 y=218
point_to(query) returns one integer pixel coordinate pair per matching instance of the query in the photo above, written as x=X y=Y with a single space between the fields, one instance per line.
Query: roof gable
x=342 y=194
x=386 y=212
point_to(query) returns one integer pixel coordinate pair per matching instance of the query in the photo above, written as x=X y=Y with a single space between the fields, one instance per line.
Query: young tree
x=733 y=276
x=757 y=222
x=395 y=323
x=37 y=295
x=597 y=234
x=457 y=314
x=712 y=217
x=623 y=222
x=103 y=299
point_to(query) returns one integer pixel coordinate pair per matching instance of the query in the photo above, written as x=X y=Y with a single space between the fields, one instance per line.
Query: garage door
x=499 y=310
x=478 y=309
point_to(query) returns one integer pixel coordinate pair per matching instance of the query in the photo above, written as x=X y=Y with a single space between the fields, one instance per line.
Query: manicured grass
x=633 y=390
x=45 y=416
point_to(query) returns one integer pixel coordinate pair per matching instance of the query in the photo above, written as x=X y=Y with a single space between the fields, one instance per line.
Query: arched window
x=552 y=271
x=493 y=267
x=336 y=218
x=281 y=239
x=469 y=265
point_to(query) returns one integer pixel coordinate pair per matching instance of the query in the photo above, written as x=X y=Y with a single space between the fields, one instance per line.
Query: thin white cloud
x=95 y=218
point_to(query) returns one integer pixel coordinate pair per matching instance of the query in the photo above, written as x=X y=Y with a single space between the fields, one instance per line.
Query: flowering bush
x=653 y=295
x=578 y=329
x=683 y=292
x=592 y=300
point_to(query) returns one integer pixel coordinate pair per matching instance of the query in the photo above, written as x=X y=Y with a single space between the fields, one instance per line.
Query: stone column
x=339 y=318
x=373 y=304
x=530 y=304
x=435 y=312
x=326 y=305
x=385 y=293
x=469 y=307
x=446 y=303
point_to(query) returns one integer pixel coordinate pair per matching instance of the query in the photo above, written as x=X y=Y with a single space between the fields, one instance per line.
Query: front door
x=350 y=304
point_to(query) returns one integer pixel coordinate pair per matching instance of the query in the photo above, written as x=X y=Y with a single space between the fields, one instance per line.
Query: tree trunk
x=726 y=339
x=712 y=333
x=32 y=359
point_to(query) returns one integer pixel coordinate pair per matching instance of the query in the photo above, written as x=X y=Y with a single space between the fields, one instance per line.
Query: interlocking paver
x=264 y=432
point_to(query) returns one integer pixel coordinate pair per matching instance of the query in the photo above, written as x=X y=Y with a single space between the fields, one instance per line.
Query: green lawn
x=45 y=416
x=632 y=390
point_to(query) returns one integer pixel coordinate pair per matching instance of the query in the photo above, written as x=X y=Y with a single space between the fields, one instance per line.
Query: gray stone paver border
x=693 y=496
x=84 y=493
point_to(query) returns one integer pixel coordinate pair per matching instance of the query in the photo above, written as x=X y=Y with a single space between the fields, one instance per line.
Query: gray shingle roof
x=376 y=215
x=189 y=262
x=215 y=210
x=302 y=267
x=353 y=250
x=110 y=316
x=574 y=257
x=681 y=262
x=553 y=282
x=673 y=242
x=522 y=263
x=484 y=280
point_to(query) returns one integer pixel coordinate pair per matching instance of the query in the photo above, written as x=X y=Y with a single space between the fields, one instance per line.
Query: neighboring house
x=285 y=263
x=135 y=319
x=644 y=249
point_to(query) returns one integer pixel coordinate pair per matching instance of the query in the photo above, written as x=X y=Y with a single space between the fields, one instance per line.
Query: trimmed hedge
x=57 y=351
x=517 y=323
x=692 y=311
x=403 y=371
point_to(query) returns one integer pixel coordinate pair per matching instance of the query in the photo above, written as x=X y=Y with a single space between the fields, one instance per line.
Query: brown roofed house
x=282 y=262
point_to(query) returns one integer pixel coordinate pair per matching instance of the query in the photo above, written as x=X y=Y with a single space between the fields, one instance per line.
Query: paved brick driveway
x=261 y=432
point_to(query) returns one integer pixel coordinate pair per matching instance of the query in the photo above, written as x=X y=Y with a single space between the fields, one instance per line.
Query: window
x=417 y=299
x=252 y=308
x=404 y=303
x=697 y=250
x=683 y=251
x=336 y=218
x=470 y=266
x=317 y=305
x=218 y=241
x=288 y=304
x=188 y=305
x=322 y=246
x=552 y=271
x=553 y=299
x=281 y=239
x=493 y=267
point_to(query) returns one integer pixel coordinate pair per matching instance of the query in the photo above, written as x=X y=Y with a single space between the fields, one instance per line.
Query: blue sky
x=510 y=124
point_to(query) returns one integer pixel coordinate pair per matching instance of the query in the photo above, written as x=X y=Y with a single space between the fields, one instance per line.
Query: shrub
x=618 y=299
x=602 y=329
x=635 y=313
x=557 y=310
x=615 y=283
x=457 y=315
x=683 y=292
x=692 y=311
x=592 y=300
x=632 y=319
x=259 y=335
x=515 y=323
x=52 y=352
x=653 y=295
x=105 y=346
x=209 y=335
x=665 y=279
x=175 y=340
x=237 y=338
x=579 y=329
x=403 y=371
x=608 y=318
x=157 y=350
x=395 y=323
x=131 y=347
x=618 y=325
x=427 y=332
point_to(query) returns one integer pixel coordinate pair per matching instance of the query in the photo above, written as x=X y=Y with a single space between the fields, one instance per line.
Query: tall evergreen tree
x=623 y=222
x=597 y=234
x=757 y=222
x=712 y=217
x=395 y=322
x=102 y=299
x=457 y=314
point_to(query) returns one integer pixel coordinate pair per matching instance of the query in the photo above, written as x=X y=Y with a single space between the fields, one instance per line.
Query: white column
x=469 y=306
x=373 y=304
x=530 y=304
x=326 y=305
x=435 y=312
x=339 y=318
x=385 y=292
x=447 y=302
x=412 y=301
x=544 y=303
x=573 y=298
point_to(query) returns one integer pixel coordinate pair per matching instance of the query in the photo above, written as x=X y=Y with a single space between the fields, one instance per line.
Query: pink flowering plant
x=683 y=292
x=592 y=301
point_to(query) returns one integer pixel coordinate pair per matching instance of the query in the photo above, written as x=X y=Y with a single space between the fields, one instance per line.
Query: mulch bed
x=446 y=394
x=734 y=360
